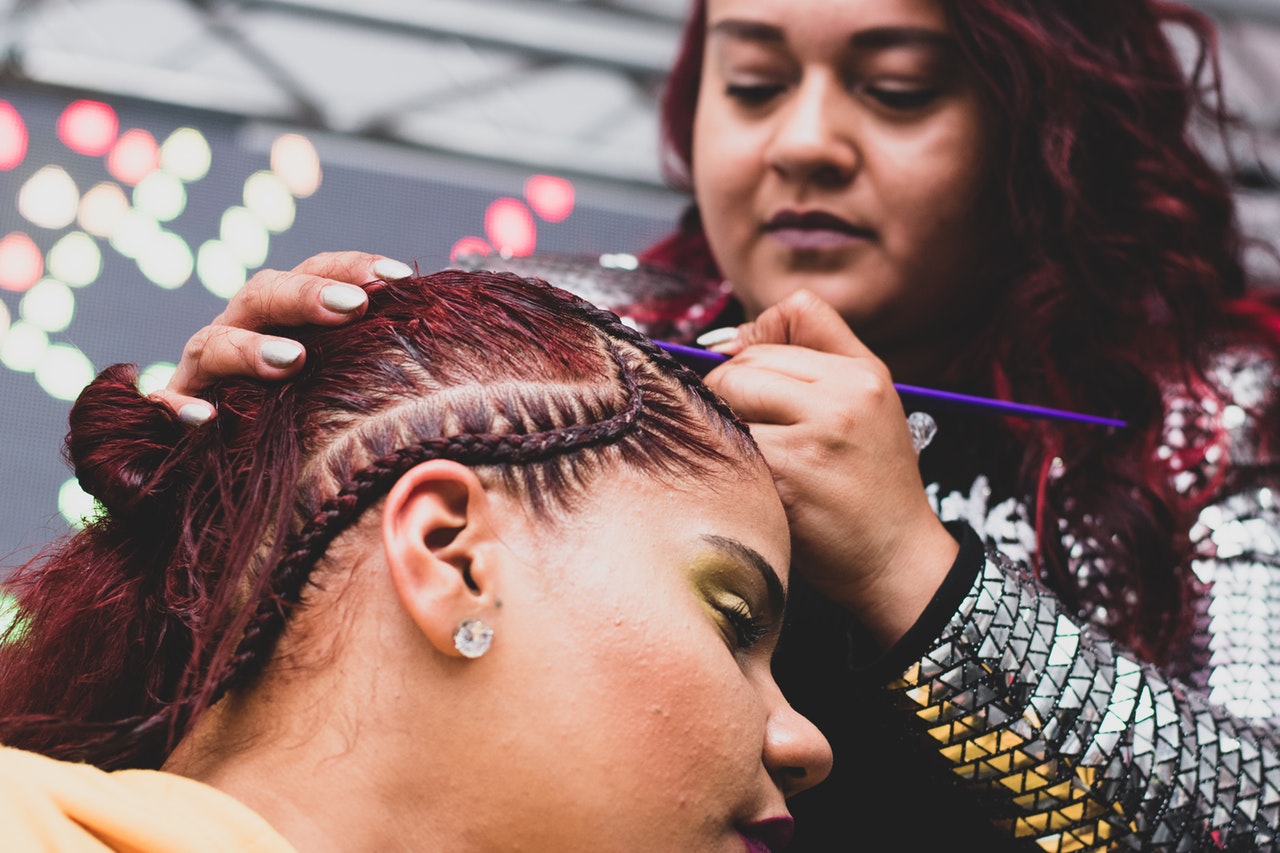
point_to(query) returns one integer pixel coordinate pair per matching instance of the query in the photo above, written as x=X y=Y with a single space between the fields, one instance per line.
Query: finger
x=216 y=352
x=801 y=363
x=325 y=290
x=190 y=410
x=761 y=396
x=802 y=319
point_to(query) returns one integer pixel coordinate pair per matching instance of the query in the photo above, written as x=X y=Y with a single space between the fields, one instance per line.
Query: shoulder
x=47 y=804
x=1220 y=416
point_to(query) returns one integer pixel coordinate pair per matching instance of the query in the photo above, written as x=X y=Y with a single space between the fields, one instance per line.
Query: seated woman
x=492 y=572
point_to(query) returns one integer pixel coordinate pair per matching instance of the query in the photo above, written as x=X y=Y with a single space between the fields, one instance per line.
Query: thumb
x=804 y=320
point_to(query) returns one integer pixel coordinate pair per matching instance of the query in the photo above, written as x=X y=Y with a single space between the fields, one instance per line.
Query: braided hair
x=179 y=591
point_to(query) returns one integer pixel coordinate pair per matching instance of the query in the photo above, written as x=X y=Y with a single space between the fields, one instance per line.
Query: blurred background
x=155 y=153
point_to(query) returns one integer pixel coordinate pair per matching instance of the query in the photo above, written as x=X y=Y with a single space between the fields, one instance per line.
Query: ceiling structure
x=566 y=86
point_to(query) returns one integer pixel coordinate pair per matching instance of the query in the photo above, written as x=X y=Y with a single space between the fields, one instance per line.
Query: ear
x=439 y=539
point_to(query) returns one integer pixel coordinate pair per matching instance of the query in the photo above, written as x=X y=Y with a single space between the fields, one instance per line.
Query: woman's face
x=843 y=146
x=634 y=706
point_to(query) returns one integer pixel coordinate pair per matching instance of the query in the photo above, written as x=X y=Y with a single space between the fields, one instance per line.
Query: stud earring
x=472 y=638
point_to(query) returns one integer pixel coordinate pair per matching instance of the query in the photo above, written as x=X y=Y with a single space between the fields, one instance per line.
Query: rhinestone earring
x=472 y=638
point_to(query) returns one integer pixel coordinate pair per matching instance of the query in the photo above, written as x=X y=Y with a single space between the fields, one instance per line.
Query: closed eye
x=753 y=95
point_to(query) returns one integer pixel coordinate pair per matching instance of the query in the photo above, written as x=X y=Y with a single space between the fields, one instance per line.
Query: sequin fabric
x=1078 y=746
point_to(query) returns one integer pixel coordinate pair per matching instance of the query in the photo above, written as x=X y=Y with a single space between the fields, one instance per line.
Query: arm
x=1034 y=710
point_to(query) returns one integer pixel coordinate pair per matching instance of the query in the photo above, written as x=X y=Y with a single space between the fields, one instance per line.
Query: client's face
x=638 y=710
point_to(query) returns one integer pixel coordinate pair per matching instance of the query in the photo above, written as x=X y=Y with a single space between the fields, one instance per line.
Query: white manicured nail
x=391 y=270
x=194 y=414
x=344 y=298
x=280 y=353
x=718 y=336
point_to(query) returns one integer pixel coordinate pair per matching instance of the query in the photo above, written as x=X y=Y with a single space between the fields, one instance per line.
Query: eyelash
x=904 y=100
x=748 y=629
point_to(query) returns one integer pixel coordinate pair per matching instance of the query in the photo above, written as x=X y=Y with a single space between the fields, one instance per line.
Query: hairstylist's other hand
x=826 y=415
x=325 y=289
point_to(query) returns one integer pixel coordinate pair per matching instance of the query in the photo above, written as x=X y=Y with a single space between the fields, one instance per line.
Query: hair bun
x=121 y=444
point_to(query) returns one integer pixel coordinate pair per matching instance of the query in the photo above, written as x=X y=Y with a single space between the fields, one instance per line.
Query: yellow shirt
x=48 y=805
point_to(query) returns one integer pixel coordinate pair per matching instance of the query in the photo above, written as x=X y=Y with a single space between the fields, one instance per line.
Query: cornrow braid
x=366 y=486
x=613 y=325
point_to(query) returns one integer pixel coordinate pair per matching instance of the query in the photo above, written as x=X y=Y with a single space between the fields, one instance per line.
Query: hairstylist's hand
x=824 y=411
x=324 y=289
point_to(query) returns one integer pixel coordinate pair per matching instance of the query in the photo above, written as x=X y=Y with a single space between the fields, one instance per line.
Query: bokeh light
x=75 y=259
x=469 y=246
x=13 y=623
x=161 y=196
x=13 y=136
x=88 y=128
x=133 y=233
x=186 y=155
x=24 y=347
x=219 y=269
x=4 y=323
x=270 y=200
x=296 y=163
x=77 y=506
x=510 y=227
x=166 y=260
x=49 y=305
x=550 y=197
x=63 y=372
x=245 y=236
x=134 y=156
x=49 y=198
x=21 y=263
x=155 y=377
x=102 y=209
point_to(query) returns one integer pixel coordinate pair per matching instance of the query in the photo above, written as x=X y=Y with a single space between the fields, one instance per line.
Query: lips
x=814 y=229
x=768 y=836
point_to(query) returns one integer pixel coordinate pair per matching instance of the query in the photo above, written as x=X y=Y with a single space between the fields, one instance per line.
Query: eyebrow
x=874 y=38
x=751 y=557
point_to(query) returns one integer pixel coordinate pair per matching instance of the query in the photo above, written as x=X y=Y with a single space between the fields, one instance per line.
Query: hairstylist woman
x=999 y=197
x=415 y=598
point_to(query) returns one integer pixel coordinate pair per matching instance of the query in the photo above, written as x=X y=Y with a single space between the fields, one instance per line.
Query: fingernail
x=391 y=270
x=717 y=336
x=343 y=298
x=280 y=353
x=194 y=414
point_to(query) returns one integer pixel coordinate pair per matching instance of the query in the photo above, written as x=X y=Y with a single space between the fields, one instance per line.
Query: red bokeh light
x=88 y=128
x=13 y=136
x=469 y=246
x=550 y=197
x=21 y=263
x=510 y=227
x=134 y=156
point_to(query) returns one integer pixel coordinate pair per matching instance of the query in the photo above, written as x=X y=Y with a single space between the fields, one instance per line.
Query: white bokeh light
x=245 y=236
x=49 y=198
x=48 y=305
x=295 y=161
x=63 y=372
x=102 y=209
x=24 y=347
x=4 y=324
x=136 y=230
x=186 y=154
x=270 y=200
x=166 y=260
x=77 y=506
x=155 y=377
x=75 y=260
x=161 y=196
x=220 y=271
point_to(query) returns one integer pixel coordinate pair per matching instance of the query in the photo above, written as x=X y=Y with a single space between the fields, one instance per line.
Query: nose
x=796 y=755
x=810 y=142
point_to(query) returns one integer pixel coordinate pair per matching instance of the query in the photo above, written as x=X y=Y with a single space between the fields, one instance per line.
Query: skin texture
x=863 y=110
x=615 y=677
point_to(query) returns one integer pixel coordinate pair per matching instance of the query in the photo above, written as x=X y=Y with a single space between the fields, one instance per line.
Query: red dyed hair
x=1129 y=264
x=179 y=591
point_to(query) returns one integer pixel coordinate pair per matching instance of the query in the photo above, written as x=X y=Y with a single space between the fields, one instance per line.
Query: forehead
x=806 y=20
